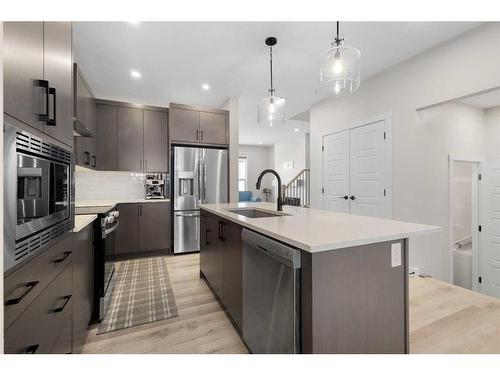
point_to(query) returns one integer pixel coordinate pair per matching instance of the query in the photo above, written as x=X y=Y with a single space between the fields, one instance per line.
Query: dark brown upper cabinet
x=214 y=128
x=58 y=69
x=84 y=110
x=191 y=124
x=84 y=119
x=37 y=63
x=107 y=137
x=130 y=139
x=184 y=124
x=155 y=141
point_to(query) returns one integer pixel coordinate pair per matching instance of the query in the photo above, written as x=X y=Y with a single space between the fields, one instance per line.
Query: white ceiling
x=487 y=100
x=175 y=58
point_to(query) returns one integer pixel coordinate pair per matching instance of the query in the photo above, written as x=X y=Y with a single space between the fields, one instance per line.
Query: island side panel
x=354 y=301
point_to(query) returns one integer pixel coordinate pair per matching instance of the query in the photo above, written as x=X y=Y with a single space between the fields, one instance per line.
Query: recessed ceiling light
x=134 y=23
x=135 y=74
x=205 y=86
x=260 y=142
x=296 y=129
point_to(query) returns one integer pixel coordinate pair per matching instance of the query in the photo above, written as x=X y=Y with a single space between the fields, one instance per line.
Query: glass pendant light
x=339 y=70
x=271 y=109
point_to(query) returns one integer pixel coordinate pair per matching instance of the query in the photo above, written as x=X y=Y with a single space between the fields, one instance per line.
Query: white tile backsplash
x=97 y=185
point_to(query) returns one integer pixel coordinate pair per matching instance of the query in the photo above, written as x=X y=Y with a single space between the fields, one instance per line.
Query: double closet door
x=355 y=175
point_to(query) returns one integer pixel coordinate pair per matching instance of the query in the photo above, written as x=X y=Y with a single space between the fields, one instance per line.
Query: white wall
x=492 y=119
x=232 y=105
x=459 y=67
x=292 y=149
x=462 y=200
x=258 y=159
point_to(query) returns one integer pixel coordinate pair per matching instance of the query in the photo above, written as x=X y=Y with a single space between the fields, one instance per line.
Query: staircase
x=298 y=191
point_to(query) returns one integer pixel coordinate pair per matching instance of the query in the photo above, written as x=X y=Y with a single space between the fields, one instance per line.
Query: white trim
x=476 y=160
x=387 y=118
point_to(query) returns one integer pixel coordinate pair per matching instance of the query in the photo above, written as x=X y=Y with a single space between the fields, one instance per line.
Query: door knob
x=352 y=197
x=345 y=197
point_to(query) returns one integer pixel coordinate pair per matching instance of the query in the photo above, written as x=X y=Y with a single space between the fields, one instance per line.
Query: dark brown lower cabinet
x=64 y=343
x=83 y=284
x=221 y=261
x=127 y=233
x=32 y=278
x=38 y=328
x=232 y=256
x=154 y=226
x=144 y=227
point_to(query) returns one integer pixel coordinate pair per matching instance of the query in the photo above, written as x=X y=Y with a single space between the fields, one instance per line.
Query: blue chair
x=246 y=196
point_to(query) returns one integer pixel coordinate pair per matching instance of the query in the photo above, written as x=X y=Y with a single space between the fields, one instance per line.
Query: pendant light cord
x=338 y=39
x=271 y=67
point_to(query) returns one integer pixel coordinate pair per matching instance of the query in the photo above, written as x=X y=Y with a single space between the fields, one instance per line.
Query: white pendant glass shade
x=339 y=71
x=271 y=111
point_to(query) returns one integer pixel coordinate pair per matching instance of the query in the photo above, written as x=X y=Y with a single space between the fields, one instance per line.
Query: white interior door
x=489 y=253
x=336 y=171
x=367 y=170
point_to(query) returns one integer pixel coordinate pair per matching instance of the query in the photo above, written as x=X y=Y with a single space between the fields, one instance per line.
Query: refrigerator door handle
x=204 y=177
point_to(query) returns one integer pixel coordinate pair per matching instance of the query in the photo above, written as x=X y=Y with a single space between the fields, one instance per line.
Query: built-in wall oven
x=37 y=194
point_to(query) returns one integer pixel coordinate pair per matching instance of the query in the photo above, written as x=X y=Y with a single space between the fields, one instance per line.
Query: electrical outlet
x=396 y=254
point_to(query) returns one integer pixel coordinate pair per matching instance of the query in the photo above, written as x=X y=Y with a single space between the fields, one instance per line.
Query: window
x=242 y=172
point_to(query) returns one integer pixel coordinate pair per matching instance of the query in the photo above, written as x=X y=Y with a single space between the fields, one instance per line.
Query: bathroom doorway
x=463 y=221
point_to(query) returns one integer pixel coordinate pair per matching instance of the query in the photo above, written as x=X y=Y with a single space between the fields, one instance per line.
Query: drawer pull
x=29 y=288
x=60 y=309
x=32 y=349
x=66 y=254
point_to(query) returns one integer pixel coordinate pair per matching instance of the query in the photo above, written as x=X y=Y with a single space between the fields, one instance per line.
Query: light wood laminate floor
x=443 y=319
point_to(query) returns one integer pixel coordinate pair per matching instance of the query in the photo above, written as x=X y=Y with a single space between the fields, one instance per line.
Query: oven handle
x=105 y=232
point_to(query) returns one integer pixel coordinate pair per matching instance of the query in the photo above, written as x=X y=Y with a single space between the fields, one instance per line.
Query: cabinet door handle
x=29 y=288
x=32 y=349
x=44 y=84
x=94 y=161
x=145 y=165
x=87 y=158
x=65 y=255
x=352 y=197
x=221 y=231
x=346 y=197
x=52 y=121
x=206 y=237
x=202 y=135
x=66 y=300
x=197 y=135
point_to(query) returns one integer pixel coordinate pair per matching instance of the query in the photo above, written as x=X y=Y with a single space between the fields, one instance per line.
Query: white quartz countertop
x=81 y=221
x=315 y=230
x=114 y=202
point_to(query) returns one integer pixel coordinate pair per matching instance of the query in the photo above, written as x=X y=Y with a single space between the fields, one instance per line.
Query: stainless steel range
x=104 y=255
x=37 y=194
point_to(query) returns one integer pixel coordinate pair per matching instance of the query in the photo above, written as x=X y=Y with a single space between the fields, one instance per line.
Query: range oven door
x=104 y=268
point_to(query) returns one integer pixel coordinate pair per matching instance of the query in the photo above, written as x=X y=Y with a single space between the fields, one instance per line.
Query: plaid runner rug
x=142 y=294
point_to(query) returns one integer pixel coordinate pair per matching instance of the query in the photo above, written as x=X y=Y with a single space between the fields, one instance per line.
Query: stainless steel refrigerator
x=200 y=175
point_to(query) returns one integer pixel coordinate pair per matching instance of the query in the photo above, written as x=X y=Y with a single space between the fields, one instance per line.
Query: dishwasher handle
x=282 y=253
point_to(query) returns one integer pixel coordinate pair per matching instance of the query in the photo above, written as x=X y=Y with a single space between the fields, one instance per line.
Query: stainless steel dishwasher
x=271 y=295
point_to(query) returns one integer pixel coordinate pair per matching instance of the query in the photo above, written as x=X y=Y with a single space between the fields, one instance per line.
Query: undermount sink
x=256 y=213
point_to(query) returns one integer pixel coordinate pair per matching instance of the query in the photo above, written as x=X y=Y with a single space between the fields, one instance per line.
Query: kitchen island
x=352 y=281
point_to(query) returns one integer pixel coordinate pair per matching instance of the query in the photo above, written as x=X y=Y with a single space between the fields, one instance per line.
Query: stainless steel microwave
x=37 y=186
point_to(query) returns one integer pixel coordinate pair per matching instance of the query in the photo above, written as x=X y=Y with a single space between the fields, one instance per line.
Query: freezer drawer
x=186 y=231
